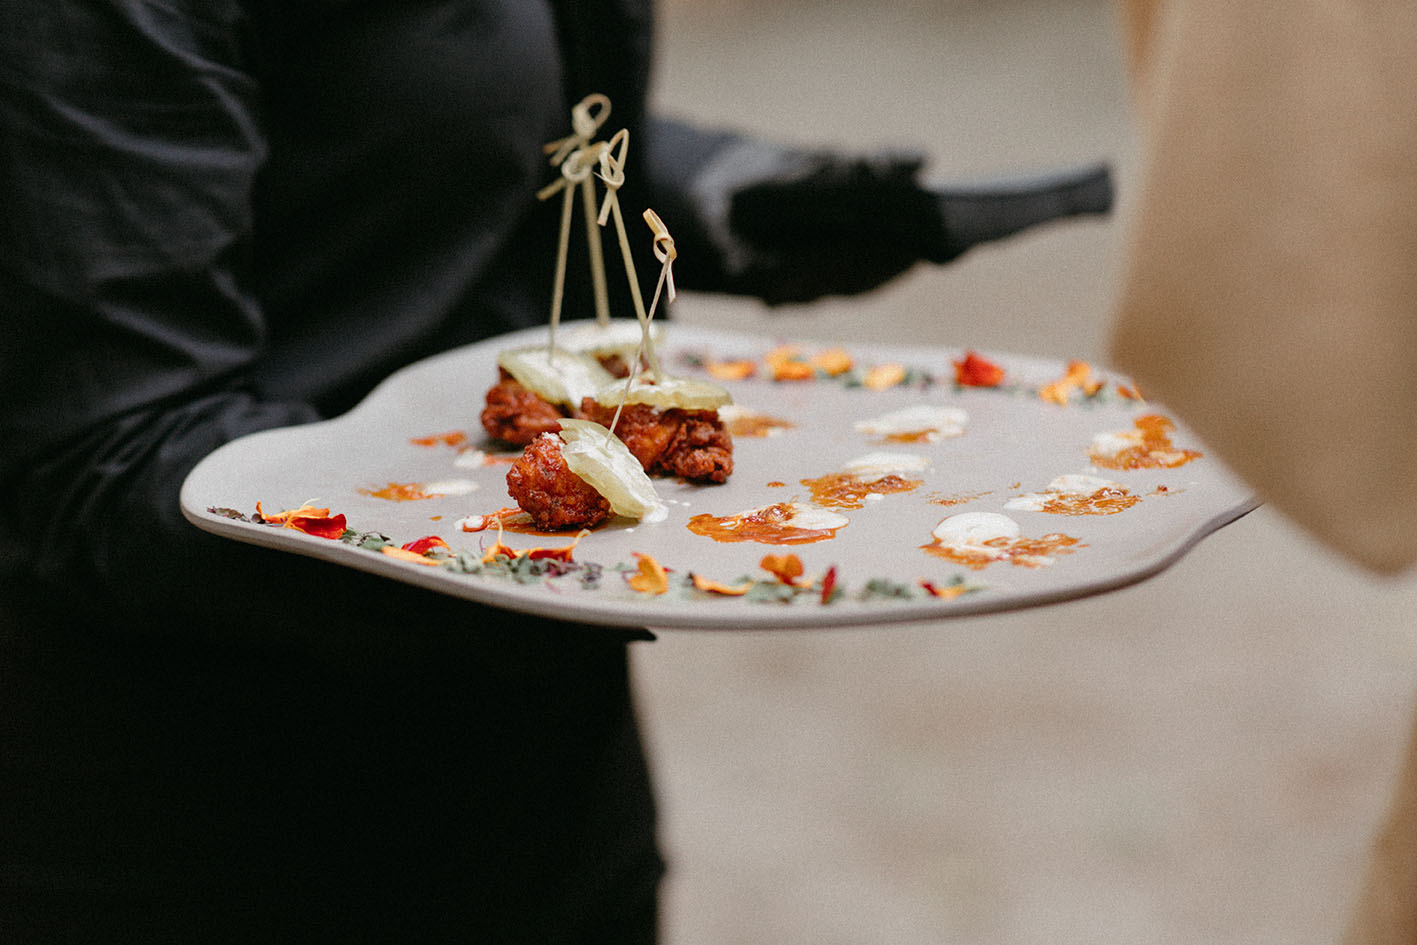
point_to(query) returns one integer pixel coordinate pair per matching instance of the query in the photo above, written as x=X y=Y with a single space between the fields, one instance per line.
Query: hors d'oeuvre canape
x=670 y=425
x=580 y=476
x=537 y=388
x=574 y=470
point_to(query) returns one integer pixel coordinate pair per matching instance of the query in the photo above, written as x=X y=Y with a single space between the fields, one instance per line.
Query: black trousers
x=459 y=775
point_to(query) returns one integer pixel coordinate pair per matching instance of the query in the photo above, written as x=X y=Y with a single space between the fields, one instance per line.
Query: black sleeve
x=130 y=139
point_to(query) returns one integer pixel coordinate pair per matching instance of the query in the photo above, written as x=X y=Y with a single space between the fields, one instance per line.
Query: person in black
x=222 y=216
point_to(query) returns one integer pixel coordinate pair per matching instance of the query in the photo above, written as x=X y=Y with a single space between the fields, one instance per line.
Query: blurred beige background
x=1200 y=758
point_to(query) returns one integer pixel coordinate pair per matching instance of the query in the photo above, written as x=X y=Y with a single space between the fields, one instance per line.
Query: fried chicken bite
x=545 y=488
x=517 y=415
x=692 y=444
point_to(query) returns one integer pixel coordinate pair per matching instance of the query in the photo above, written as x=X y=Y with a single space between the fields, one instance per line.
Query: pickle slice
x=603 y=460
x=617 y=336
x=567 y=379
x=686 y=393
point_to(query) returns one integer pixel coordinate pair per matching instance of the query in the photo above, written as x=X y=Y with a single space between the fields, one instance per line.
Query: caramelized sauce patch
x=770 y=525
x=400 y=492
x=939 y=498
x=754 y=426
x=1152 y=448
x=846 y=490
x=1025 y=552
x=1102 y=502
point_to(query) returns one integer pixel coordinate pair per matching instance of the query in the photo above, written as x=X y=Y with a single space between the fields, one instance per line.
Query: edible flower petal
x=421 y=546
x=1078 y=376
x=714 y=587
x=413 y=557
x=562 y=553
x=730 y=370
x=786 y=568
x=947 y=592
x=651 y=578
x=829 y=585
x=307 y=519
x=882 y=376
x=974 y=370
x=832 y=362
x=785 y=363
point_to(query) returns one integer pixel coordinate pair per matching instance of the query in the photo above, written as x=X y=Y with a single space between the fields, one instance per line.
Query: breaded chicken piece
x=546 y=489
x=516 y=415
x=675 y=442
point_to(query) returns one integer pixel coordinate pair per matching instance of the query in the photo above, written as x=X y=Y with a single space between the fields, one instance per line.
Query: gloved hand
x=794 y=225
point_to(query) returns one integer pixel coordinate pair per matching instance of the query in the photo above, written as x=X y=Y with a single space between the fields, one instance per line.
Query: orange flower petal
x=651 y=578
x=882 y=376
x=786 y=568
x=1078 y=376
x=562 y=553
x=785 y=363
x=828 y=584
x=556 y=554
x=831 y=362
x=499 y=549
x=307 y=519
x=404 y=554
x=280 y=518
x=715 y=587
x=793 y=371
x=948 y=592
x=730 y=370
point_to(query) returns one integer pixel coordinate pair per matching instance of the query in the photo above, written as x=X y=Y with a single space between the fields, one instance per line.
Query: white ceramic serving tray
x=1015 y=442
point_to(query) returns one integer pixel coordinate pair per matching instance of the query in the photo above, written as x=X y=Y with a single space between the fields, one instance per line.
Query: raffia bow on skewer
x=665 y=252
x=575 y=174
x=612 y=173
x=576 y=154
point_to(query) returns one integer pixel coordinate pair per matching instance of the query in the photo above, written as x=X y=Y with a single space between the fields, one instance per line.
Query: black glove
x=792 y=226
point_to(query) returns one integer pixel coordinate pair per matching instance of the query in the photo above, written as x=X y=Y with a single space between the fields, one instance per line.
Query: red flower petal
x=321 y=526
x=977 y=371
x=421 y=546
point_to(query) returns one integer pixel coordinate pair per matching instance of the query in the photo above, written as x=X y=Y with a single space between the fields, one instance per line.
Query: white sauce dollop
x=1067 y=484
x=449 y=487
x=1111 y=443
x=809 y=517
x=968 y=532
x=875 y=465
x=934 y=420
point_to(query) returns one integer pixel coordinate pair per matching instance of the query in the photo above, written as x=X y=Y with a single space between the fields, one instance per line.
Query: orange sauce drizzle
x=846 y=490
x=1102 y=502
x=1155 y=451
x=913 y=436
x=516 y=521
x=451 y=438
x=1026 y=552
x=953 y=500
x=400 y=492
x=755 y=426
x=767 y=526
